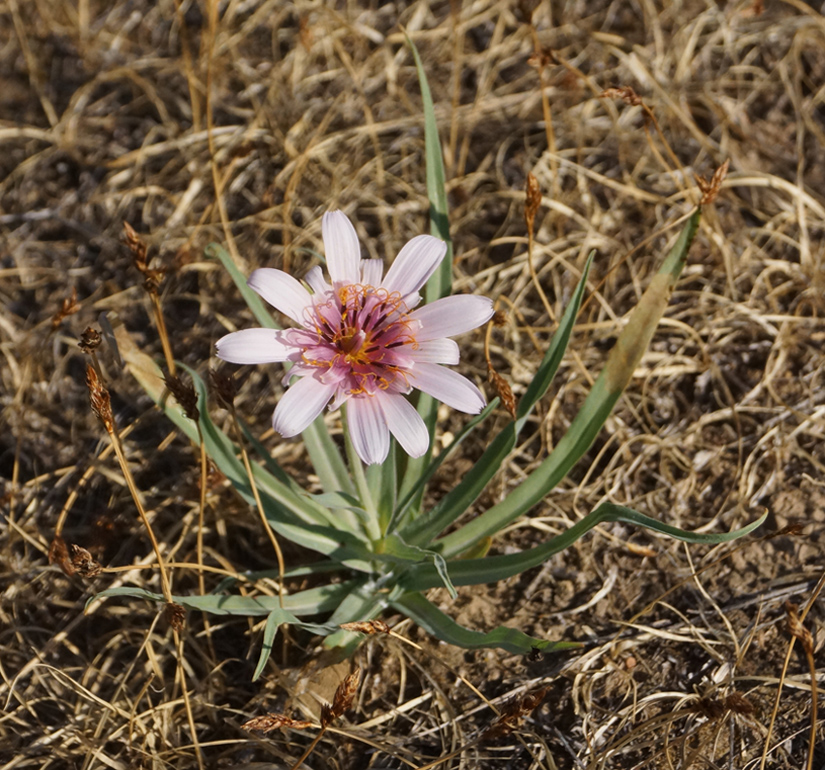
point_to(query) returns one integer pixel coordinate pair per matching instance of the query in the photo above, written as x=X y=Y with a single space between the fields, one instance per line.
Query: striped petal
x=282 y=291
x=368 y=429
x=300 y=405
x=255 y=346
x=447 y=386
x=415 y=263
x=341 y=246
x=436 y=352
x=404 y=423
x=452 y=315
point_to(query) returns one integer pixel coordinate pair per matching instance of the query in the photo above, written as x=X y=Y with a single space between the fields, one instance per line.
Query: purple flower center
x=361 y=334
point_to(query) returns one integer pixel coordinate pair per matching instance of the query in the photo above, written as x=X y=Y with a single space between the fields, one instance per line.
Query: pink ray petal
x=371 y=271
x=255 y=346
x=447 y=386
x=300 y=405
x=404 y=423
x=315 y=279
x=368 y=429
x=436 y=352
x=452 y=315
x=282 y=291
x=341 y=246
x=415 y=263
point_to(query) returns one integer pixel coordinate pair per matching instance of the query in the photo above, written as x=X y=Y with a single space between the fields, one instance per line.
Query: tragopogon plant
x=363 y=341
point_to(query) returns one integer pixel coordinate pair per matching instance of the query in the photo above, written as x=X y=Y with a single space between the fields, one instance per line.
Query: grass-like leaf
x=450 y=507
x=440 y=282
x=493 y=568
x=611 y=382
x=434 y=621
x=313 y=601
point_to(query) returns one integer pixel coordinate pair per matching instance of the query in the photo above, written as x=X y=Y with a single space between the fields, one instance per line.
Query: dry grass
x=242 y=123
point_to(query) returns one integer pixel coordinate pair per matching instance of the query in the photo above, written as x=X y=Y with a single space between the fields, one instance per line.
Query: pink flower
x=360 y=341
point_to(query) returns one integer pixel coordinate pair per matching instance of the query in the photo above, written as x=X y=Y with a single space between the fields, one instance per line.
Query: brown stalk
x=531 y=207
x=102 y=407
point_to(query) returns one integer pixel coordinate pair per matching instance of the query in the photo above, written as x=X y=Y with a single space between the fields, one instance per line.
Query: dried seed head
x=327 y=715
x=185 y=395
x=542 y=59
x=175 y=615
x=137 y=246
x=369 y=627
x=69 y=306
x=344 y=696
x=514 y=713
x=625 y=93
x=712 y=708
x=796 y=628
x=152 y=282
x=90 y=340
x=99 y=399
x=710 y=189
x=83 y=562
x=739 y=704
x=269 y=722
x=533 y=201
x=59 y=554
x=505 y=392
x=223 y=385
x=793 y=529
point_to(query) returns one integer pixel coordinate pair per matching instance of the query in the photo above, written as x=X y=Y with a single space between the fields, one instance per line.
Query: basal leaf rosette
x=361 y=339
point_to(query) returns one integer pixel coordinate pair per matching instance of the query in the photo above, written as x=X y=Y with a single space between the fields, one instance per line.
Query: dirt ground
x=241 y=123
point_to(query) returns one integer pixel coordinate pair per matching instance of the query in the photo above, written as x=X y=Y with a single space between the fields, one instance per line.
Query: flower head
x=361 y=340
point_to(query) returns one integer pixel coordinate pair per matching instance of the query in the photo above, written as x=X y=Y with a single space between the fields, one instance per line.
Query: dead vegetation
x=241 y=123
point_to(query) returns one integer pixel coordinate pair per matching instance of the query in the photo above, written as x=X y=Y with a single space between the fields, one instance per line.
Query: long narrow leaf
x=440 y=283
x=435 y=622
x=611 y=382
x=493 y=568
x=450 y=507
x=313 y=601
x=418 y=489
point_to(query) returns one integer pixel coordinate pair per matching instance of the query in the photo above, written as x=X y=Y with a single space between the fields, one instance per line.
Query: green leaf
x=395 y=550
x=494 y=568
x=381 y=480
x=435 y=622
x=273 y=623
x=611 y=382
x=418 y=489
x=313 y=601
x=462 y=496
x=440 y=283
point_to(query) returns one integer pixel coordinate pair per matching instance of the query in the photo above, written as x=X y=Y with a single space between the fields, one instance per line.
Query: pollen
x=363 y=333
